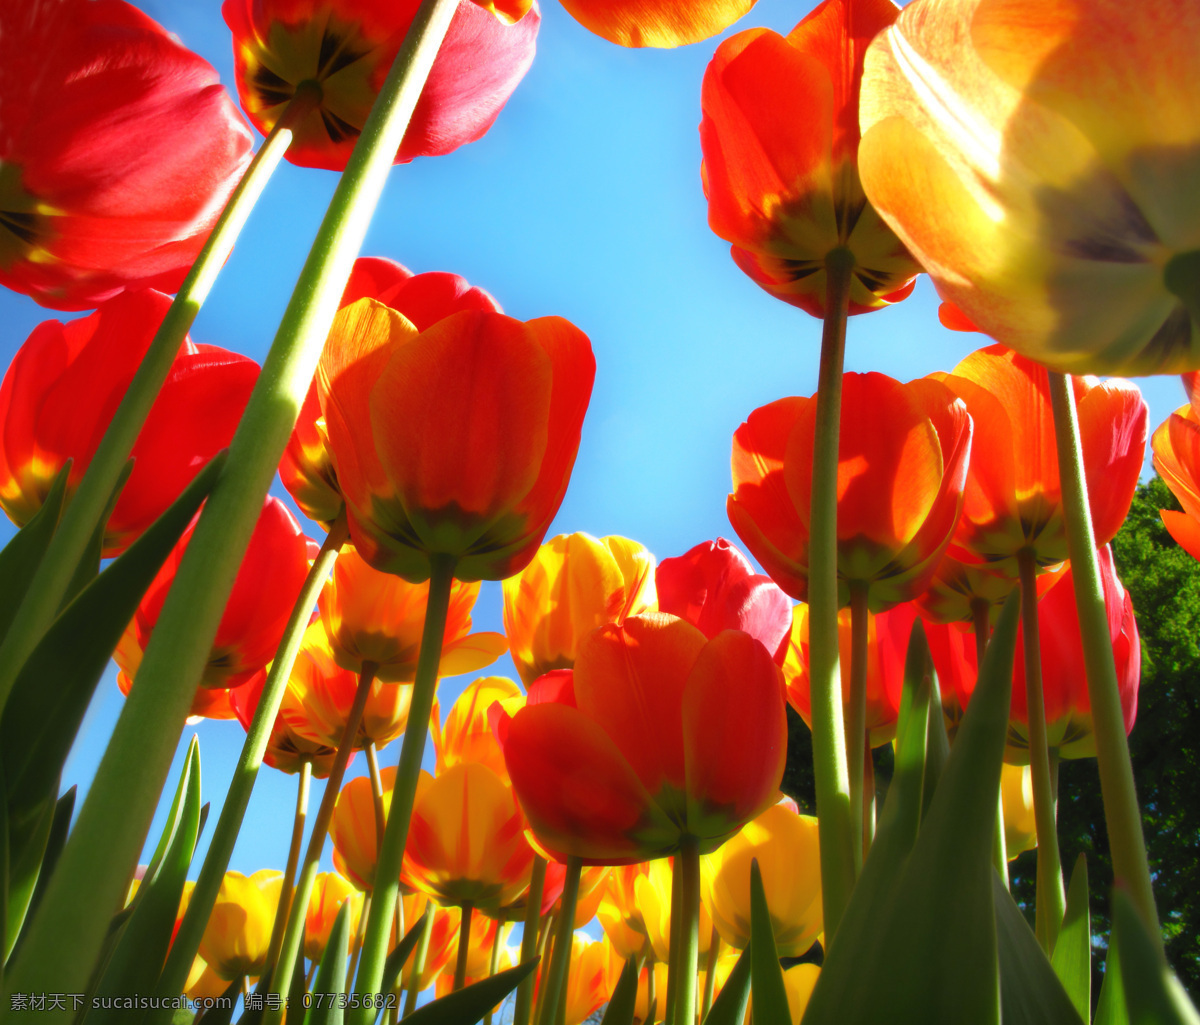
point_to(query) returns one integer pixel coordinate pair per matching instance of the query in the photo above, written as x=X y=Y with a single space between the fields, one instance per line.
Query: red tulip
x=346 y=47
x=307 y=466
x=714 y=587
x=66 y=381
x=663 y=736
x=118 y=149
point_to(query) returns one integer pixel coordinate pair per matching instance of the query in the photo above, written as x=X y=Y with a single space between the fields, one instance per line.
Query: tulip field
x=462 y=458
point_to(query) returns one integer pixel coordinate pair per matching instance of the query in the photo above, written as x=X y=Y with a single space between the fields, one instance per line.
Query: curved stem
x=1122 y=815
x=237 y=797
x=856 y=724
x=529 y=939
x=404 y=788
x=377 y=795
x=829 y=754
x=82 y=514
x=561 y=959
x=1051 y=898
x=418 y=964
x=285 y=894
x=294 y=932
x=464 y=945
x=689 y=924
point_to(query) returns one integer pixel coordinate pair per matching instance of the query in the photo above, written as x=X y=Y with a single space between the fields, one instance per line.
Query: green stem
x=829 y=754
x=981 y=614
x=68 y=932
x=41 y=602
x=285 y=894
x=404 y=788
x=561 y=959
x=710 y=971
x=294 y=933
x=464 y=945
x=377 y=795
x=856 y=724
x=1051 y=898
x=529 y=938
x=494 y=962
x=1121 y=812
x=358 y=933
x=418 y=964
x=237 y=797
x=673 y=942
x=689 y=939
x=651 y=993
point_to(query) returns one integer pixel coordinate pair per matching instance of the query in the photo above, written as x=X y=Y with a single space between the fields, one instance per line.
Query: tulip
x=1013 y=497
x=456 y=442
x=118 y=149
x=652 y=893
x=353 y=831
x=60 y=392
x=466 y=736
x=264 y=591
x=306 y=468
x=466 y=841
x=592 y=978
x=621 y=915
x=714 y=587
x=1176 y=446
x=652 y=989
x=887 y=645
x=574 y=584
x=1031 y=156
x=330 y=892
x=239 y=928
x=346 y=49
x=902 y=466
x=204 y=983
x=785 y=845
x=1016 y=797
x=660 y=23
x=287 y=750
x=377 y=618
x=799 y=981
x=663 y=739
x=779 y=135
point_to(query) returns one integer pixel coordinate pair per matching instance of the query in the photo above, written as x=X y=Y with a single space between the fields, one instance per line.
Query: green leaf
x=937 y=744
x=1030 y=992
x=729 y=1008
x=39 y=722
x=142 y=948
x=766 y=974
x=1153 y=995
x=23 y=554
x=469 y=1005
x=1072 y=957
x=926 y=943
x=25 y=849
x=1110 y=1009
x=89 y=563
x=64 y=808
x=397 y=958
x=330 y=982
x=622 y=1005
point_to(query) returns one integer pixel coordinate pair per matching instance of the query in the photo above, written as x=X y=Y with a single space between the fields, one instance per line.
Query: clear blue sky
x=584 y=201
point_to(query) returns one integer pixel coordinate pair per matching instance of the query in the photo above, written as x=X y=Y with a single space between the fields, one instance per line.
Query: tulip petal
x=660 y=23
x=1184 y=529
x=1112 y=428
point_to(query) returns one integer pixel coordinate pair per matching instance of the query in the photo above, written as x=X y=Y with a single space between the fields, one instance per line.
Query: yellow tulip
x=239 y=928
x=592 y=977
x=466 y=735
x=1016 y=795
x=621 y=915
x=799 y=981
x=653 y=895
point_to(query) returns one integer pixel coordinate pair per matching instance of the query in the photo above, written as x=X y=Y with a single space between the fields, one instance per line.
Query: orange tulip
x=443 y=943
x=457 y=441
x=902 y=465
x=286 y=749
x=1036 y=157
x=592 y=978
x=330 y=891
x=621 y=915
x=1176 y=446
x=1013 y=498
x=239 y=928
x=466 y=841
x=377 y=617
x=574 y=584
x=660 y=23
x=780 y=142
x=467 y=735
x=661 y=737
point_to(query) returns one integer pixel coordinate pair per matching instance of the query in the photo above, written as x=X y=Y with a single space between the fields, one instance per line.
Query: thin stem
x=40 y=603
x=560 y=962
x=651 y=993
x=237 y=797
x=856 y=725
x=464 y=945
x=1121 y=812
x=376 y=793
x=294 y=932
x=1051 y=898
x=358 y=933
x=868 y=819
x=285 y=894
x=829 y=755
x=494 y=962
x=689 y=939
x=673 y=942
x=418 y=964
x=710 y=971
x=529 y=939
x=981 y=614
x=981 y=611
x=404 y=788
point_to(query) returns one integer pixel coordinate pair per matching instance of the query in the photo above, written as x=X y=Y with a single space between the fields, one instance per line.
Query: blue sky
x=583 y=201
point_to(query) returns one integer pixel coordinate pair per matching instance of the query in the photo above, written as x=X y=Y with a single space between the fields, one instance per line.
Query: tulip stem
x=561 y=959
x=829 y=753
x=529 y=939
x=689 y=928
x=286 y=890
x=1051 y=898
x=68 y=932
x=673 y=940
x=710 y=969
x=418 y=963
x=1121 y=812
x=981 y=611
x=464 y=945
x=237 y=797
x=294 y=933
x=408 y=771
x=376 y=794
x=358 y=933
x=856 y=725
x=41 y=602
x=494 y=963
